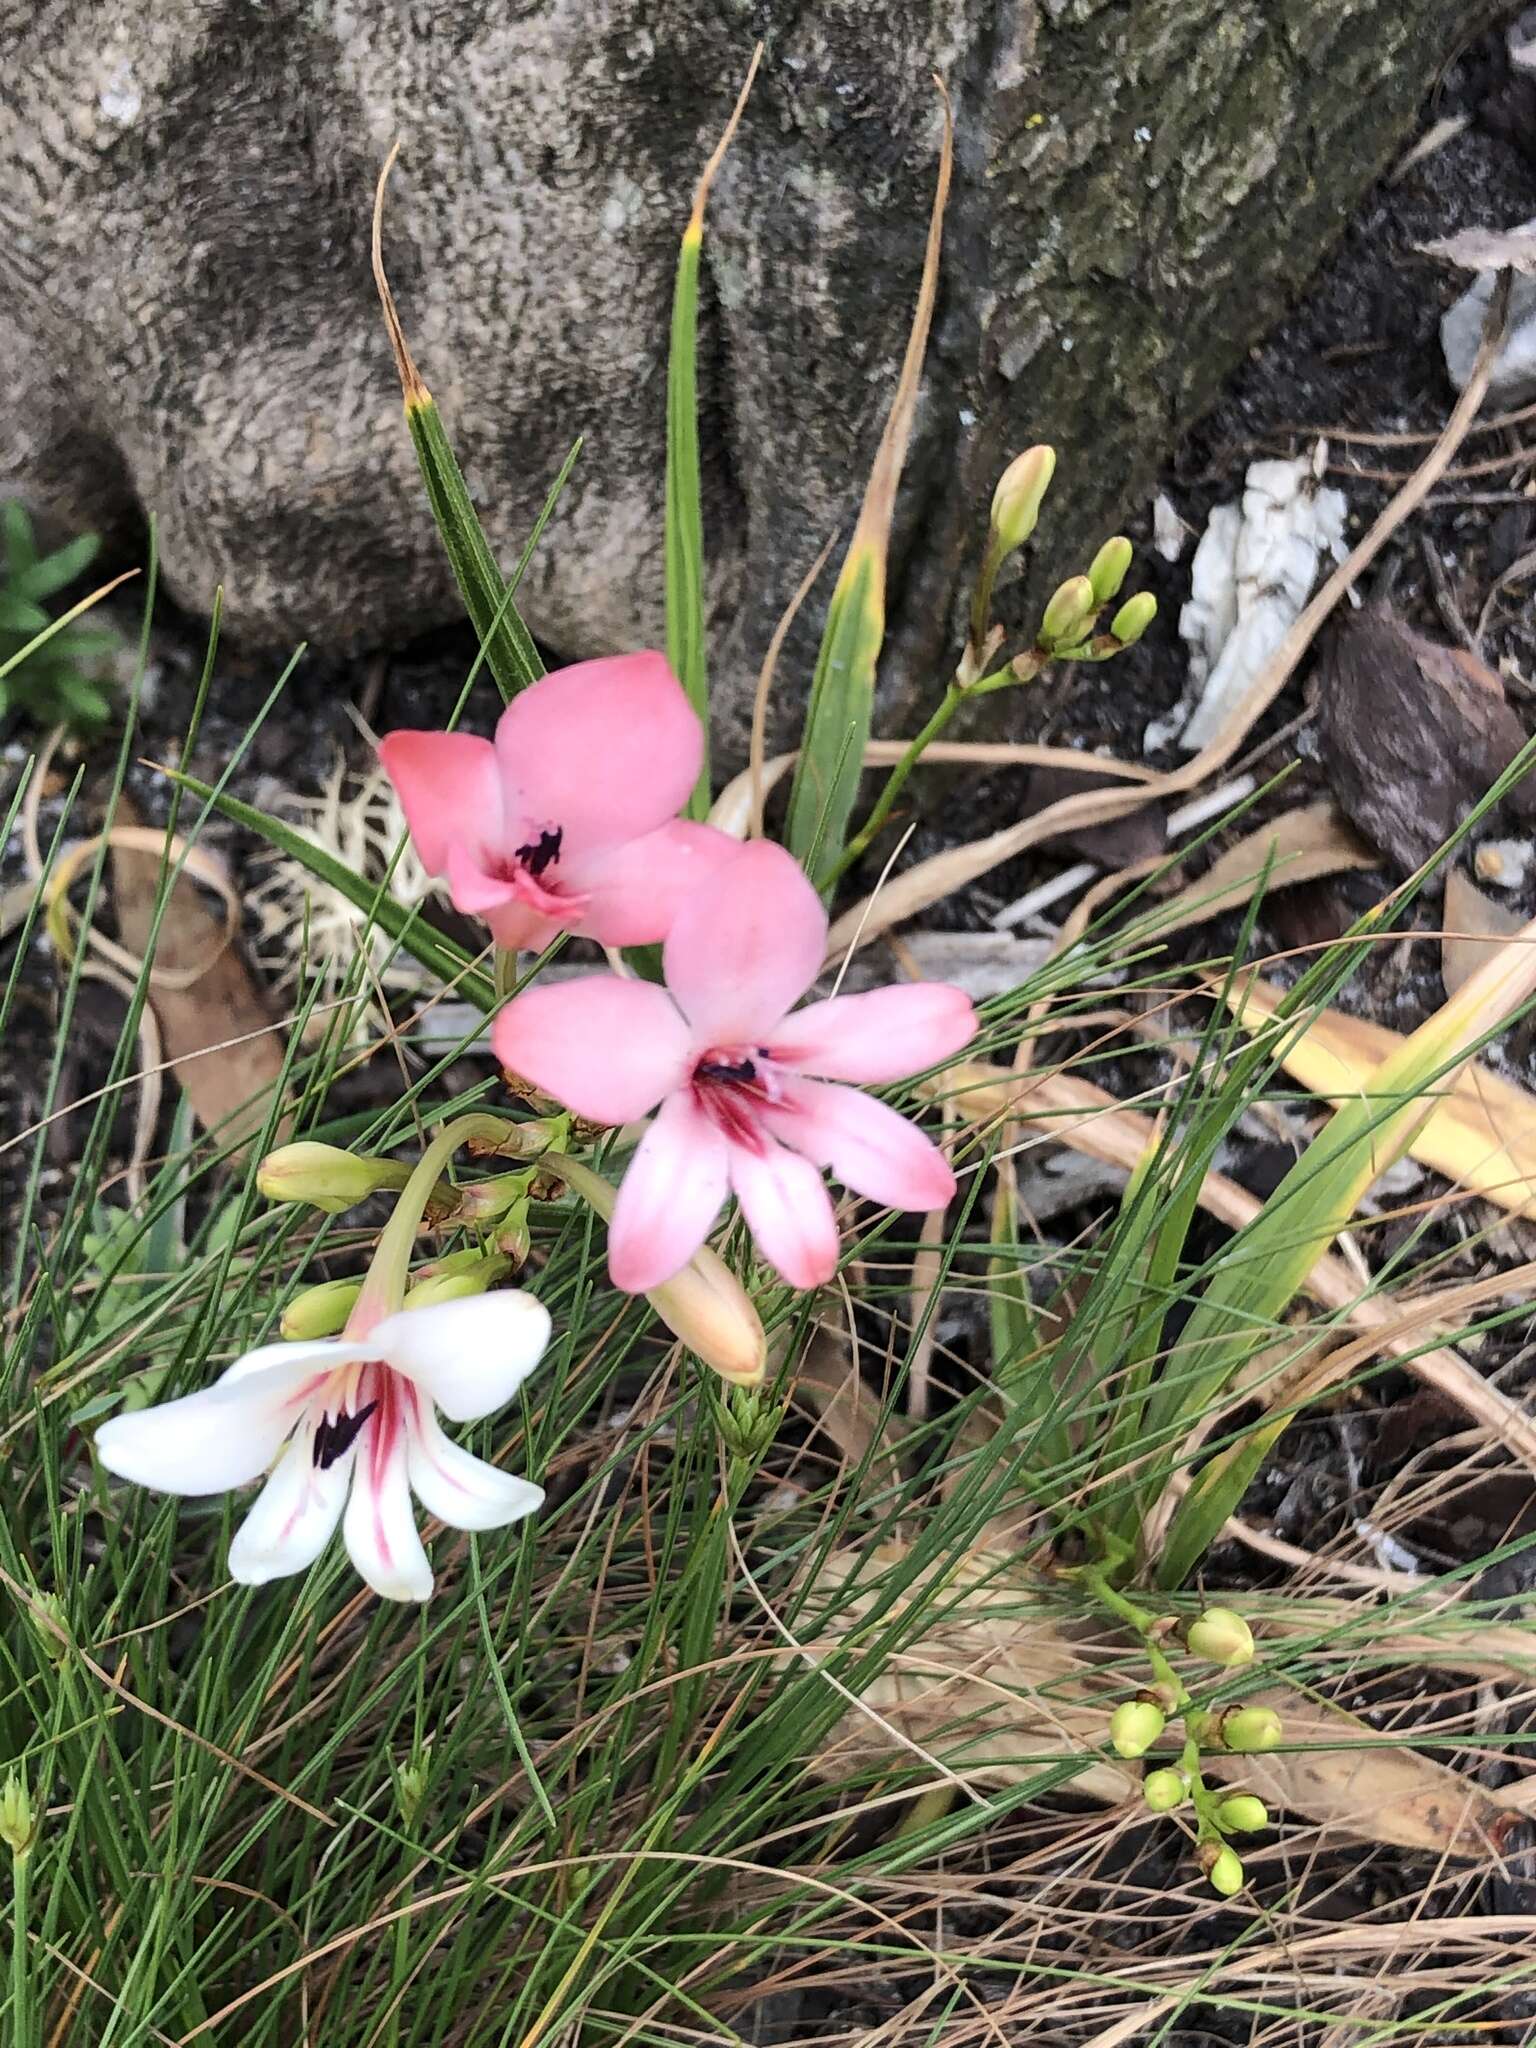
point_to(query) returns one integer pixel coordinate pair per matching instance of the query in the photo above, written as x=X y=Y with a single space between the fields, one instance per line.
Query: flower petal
x=604 y=751
x=868 y=1146
x=882 y=1035
x=379 y=1525
x=634 y=890
x=607 y=1048
x=449 y=787
x=669 y=1197
x=300 y=1358
x=461 y=1490
x=789 y=1212
x=473 y=890
x=294 y=1517
x=223 y=1436
x=468 y=1356
x=746 y=945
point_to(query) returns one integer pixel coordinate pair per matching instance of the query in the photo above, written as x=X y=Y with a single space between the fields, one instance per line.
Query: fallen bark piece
x=1487 y=248
x=217 y=1028
x=1413 y=735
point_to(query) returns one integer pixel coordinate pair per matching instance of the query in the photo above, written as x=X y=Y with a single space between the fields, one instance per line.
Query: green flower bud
x=411 y=1788
x=320 y=1311
x=325 y=1176
x=1221 y=1636
x=513 y=1235
x=1133 y=618
x=1067 y=614
x=457 y=1286
x=1164 y=1790
x=1016 y=502
x=483 y=1201
x=18 y=1817
x=1108 y=569
x=1242 y=1814
x=1134 y=1726
x=1224 y=1869
x=1248 y=1731
x=56 y=1646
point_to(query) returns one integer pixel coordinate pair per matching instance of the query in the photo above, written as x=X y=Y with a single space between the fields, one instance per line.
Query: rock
x=189 y=326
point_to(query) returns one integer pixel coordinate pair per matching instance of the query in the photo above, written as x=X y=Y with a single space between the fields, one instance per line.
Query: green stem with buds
x=896 y=781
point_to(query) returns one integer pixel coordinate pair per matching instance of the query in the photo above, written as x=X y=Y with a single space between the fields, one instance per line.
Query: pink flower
x=746 y=1104
x=569 y=820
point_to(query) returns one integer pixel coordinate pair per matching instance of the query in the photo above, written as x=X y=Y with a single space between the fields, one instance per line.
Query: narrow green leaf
x=438 y=954
x=509 y=650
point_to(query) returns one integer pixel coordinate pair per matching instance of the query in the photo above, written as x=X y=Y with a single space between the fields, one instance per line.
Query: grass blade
x=509 y=650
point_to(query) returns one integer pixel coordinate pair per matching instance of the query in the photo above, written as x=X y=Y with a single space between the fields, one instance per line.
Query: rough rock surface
x=188 y=323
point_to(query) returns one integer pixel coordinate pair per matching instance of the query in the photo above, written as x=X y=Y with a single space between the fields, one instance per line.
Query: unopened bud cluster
x=1220 y=1636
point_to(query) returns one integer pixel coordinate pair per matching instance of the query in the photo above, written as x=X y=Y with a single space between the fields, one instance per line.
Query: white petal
x=470 y=1356
x=300 y=1359
x=461 y=1490
x=379 y=1526
x=294 y=1517
x=205 y=1442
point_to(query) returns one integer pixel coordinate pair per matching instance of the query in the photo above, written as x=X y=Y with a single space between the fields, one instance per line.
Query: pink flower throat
x=733 y=1085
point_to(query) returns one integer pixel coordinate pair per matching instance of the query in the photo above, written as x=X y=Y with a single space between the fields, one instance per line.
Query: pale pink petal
x=788 y=1211
x=634 y=890
x=866 y=1144
x=473 y=890
x=601 y=752
x=294 y=1517
x=206 y=1442
x=459 y=1489
x=883 y=1035
x=449 y=788
x=669 y=1197
x=519 y=928
x=379 y=1525
x=745 y=946
x=468 y=1356
x=605 y=1047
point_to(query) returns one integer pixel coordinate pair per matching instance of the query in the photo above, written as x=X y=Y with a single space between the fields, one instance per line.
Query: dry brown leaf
x=1482 y=1132
x=1301 y=846
x=1000 y=1682
x=218 y=1032
x=1064 y=1109
x=1474 y=925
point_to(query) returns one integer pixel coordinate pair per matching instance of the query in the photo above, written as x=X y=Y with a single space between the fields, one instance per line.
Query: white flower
x=352 y=1424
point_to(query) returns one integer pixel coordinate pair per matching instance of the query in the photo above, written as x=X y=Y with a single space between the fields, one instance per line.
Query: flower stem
x=23 y=2018
x=954 y=696
x=384 y=1288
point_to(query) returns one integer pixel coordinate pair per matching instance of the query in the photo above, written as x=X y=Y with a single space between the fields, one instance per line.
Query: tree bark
x=189 y=324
